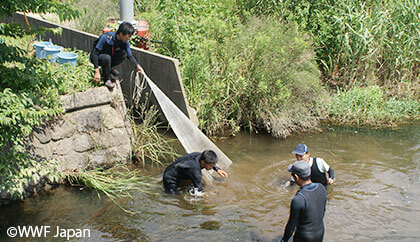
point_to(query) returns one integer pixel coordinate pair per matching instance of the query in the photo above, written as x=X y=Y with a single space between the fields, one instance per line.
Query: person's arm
x=297 y=204
x=325 y=168
x=331 y=175
x=133 y=60
x=95 y=61
x=131 y=57
x=220 y=171
x=195 y=176
x=95 y=58
x=292 y=181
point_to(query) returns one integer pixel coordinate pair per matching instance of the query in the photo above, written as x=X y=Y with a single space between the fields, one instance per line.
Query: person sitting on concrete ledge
x=109 y=50
x=188 y=167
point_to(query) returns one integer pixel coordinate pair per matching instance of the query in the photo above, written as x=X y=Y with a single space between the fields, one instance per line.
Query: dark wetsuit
x=307 y=213
x=187 y=167
x=108 y=52
x=318 y=176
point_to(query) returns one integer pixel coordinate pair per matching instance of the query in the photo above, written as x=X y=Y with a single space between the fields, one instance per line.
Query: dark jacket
x=187 y=167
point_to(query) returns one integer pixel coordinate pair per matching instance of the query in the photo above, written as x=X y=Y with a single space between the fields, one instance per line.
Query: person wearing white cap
x=319 y=168
x=307 y=208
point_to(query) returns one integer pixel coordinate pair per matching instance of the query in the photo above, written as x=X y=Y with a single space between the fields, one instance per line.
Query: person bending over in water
x=188 y=167
x=319 y=168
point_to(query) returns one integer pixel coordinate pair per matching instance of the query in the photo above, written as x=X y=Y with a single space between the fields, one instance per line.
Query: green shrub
x=368 y=106
x=237 y=74
x=264 y=77
x=94 y=15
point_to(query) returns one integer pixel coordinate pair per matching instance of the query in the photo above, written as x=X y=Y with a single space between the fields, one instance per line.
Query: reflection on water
x=375 y=196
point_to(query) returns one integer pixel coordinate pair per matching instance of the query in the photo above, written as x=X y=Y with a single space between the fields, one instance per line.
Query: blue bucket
x=39 y=48
x=52 y=51
x=67 y=57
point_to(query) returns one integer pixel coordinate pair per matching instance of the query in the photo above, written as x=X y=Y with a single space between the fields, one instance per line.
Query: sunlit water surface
x=376 y=196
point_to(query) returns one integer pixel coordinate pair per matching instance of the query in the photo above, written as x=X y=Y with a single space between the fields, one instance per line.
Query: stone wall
x=94 y=132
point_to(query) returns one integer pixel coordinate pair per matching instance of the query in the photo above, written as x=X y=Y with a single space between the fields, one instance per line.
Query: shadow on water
x=376 y=196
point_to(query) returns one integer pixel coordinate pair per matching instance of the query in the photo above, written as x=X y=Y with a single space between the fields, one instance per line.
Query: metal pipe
x=127 y=11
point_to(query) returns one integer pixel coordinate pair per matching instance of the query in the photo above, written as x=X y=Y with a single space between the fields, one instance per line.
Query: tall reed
x=149 y=144
x=116 y=183
x=369 y=42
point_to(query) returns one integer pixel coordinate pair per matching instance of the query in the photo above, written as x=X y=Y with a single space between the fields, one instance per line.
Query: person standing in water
x=188 y=167
x=319 y=168
x=307 y=208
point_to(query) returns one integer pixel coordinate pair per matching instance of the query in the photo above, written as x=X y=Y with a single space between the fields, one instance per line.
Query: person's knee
x=171 y=191
x=170 y=188
x=104 y=59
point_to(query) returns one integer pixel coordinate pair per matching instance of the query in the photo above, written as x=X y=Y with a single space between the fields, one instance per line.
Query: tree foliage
x=64 y=10
x=28 y=95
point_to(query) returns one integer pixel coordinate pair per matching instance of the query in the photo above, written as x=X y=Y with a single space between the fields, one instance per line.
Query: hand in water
x=222 y=173
x=195 y=192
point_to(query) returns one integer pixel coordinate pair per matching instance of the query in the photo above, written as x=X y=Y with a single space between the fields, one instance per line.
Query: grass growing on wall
x=116 y=183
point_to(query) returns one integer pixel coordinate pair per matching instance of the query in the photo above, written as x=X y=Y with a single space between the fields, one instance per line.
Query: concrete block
x=82 y=142
x=111 y=118
x=88 y=120
x=63 y=147
x=42 y=134
x=91 y=98
x=72 y=162
x=63 y=128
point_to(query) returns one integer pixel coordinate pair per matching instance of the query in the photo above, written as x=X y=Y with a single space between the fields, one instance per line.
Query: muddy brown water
x=376 y=196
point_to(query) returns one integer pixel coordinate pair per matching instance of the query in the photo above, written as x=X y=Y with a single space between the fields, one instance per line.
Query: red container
x=142 y=34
